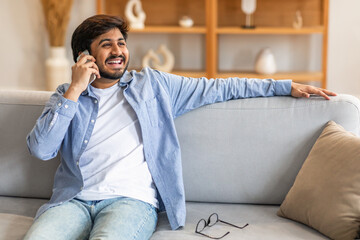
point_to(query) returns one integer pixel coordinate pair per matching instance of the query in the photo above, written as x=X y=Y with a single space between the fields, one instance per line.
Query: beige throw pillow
x=326 y=192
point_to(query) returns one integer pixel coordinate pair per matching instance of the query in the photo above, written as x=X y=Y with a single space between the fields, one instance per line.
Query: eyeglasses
x=212 y=220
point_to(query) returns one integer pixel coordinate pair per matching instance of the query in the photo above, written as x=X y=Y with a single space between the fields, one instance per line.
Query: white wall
x=344 y=46
x=24 y=43
x=24 y=46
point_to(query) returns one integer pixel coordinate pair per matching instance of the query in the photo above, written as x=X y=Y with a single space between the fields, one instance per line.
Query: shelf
x=170 y=29
x=296 y=76
x=193 y=74
x=185 y=73
x=270 y=30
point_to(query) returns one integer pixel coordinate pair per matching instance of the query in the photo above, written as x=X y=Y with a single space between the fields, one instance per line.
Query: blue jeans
x=118 y=218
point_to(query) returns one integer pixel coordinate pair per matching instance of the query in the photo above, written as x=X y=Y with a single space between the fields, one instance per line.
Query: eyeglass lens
x=212 y=220
x=201 y=225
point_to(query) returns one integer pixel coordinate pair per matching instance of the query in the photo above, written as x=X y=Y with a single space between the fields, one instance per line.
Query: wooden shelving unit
x=214 y=18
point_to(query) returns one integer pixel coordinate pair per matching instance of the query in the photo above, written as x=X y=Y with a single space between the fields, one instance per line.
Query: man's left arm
x=187 y=93
x=190 y=93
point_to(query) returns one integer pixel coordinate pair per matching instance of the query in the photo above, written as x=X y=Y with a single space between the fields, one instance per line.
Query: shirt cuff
x=65 y=107
x=283 y=87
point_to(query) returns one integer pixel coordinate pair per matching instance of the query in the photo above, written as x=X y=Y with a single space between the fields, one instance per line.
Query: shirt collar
x=124 y=81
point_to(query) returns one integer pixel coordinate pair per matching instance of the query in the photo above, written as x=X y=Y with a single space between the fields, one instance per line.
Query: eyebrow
x=109 y=40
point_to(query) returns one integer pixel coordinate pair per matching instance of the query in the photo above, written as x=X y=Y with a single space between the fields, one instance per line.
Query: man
x=120 y=156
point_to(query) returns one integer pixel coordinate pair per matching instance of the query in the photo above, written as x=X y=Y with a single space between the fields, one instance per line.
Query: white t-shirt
x=113 y=163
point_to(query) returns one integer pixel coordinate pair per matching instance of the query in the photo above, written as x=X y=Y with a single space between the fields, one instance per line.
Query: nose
x=116 y=50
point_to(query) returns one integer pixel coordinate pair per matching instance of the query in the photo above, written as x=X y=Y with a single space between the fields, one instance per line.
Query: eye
x=106 y=45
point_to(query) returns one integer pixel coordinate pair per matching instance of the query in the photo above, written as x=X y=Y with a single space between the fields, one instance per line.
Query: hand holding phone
x=93 y=76
x=84 y=68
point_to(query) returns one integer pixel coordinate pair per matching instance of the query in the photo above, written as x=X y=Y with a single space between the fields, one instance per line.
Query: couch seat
x=262 y=219
x=16 y=217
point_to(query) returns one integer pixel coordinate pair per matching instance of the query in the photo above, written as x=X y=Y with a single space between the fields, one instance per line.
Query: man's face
x=111 y=54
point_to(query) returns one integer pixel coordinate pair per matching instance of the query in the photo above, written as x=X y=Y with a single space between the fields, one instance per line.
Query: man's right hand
x=81 y=74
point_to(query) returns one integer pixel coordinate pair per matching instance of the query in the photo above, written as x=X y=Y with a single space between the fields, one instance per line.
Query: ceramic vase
x=186 y=22
x=57 y=68
x=265 y=62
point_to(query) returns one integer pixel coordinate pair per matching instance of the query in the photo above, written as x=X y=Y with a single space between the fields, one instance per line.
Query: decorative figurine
x=265 y=62
x=248 y=7
x=136 y=19
x=152 y=59
x=186 y=22
x=298 y=21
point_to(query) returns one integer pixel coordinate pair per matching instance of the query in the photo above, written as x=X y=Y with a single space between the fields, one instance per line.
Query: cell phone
x=93 y=76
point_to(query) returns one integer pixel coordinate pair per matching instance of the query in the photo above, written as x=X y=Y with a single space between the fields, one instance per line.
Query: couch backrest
x=250 y=150
x=22 y=175
x=241 y=151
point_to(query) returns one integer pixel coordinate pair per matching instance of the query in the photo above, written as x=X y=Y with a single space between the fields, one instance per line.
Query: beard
x=116 y=75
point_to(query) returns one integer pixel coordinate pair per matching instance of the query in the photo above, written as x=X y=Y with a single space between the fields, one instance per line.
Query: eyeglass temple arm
x=211 y=236
x=233 y=224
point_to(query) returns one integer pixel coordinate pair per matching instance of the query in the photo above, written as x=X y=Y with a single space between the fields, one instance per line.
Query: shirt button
x=92 y=120
x=95 y=101
x=86 y=141
x=59 y=104
x=66 y=106
x=77 y=163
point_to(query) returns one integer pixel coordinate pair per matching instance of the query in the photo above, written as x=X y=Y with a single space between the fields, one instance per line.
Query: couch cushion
x=264 y=224
x=326 y=194
x=262 y=219
x=250 y=150
x=20 y=206
x=13 y=226
x=21 y=174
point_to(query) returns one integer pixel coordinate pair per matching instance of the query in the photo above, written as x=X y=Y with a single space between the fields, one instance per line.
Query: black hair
x=93 y=27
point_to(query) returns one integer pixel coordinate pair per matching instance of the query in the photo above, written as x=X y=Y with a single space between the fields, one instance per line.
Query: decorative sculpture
x=265 y=62
x=248 y=7
x=136 y=17
x=152 y=59
x=298 y=21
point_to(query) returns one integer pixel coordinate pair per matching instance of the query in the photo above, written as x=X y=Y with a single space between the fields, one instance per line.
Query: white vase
x=265 y=62
x=57 y=68
x=186 y=22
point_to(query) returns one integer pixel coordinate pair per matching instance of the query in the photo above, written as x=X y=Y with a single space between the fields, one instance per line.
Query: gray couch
x=240 y=159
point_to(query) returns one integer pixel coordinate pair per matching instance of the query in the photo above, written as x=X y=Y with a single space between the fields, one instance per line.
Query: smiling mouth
x=115 y=62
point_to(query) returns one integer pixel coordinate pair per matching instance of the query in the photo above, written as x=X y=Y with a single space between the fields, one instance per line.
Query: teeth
x=115 y=62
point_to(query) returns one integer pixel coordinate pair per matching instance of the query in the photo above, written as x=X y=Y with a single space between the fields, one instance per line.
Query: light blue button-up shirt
x=157 y=98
